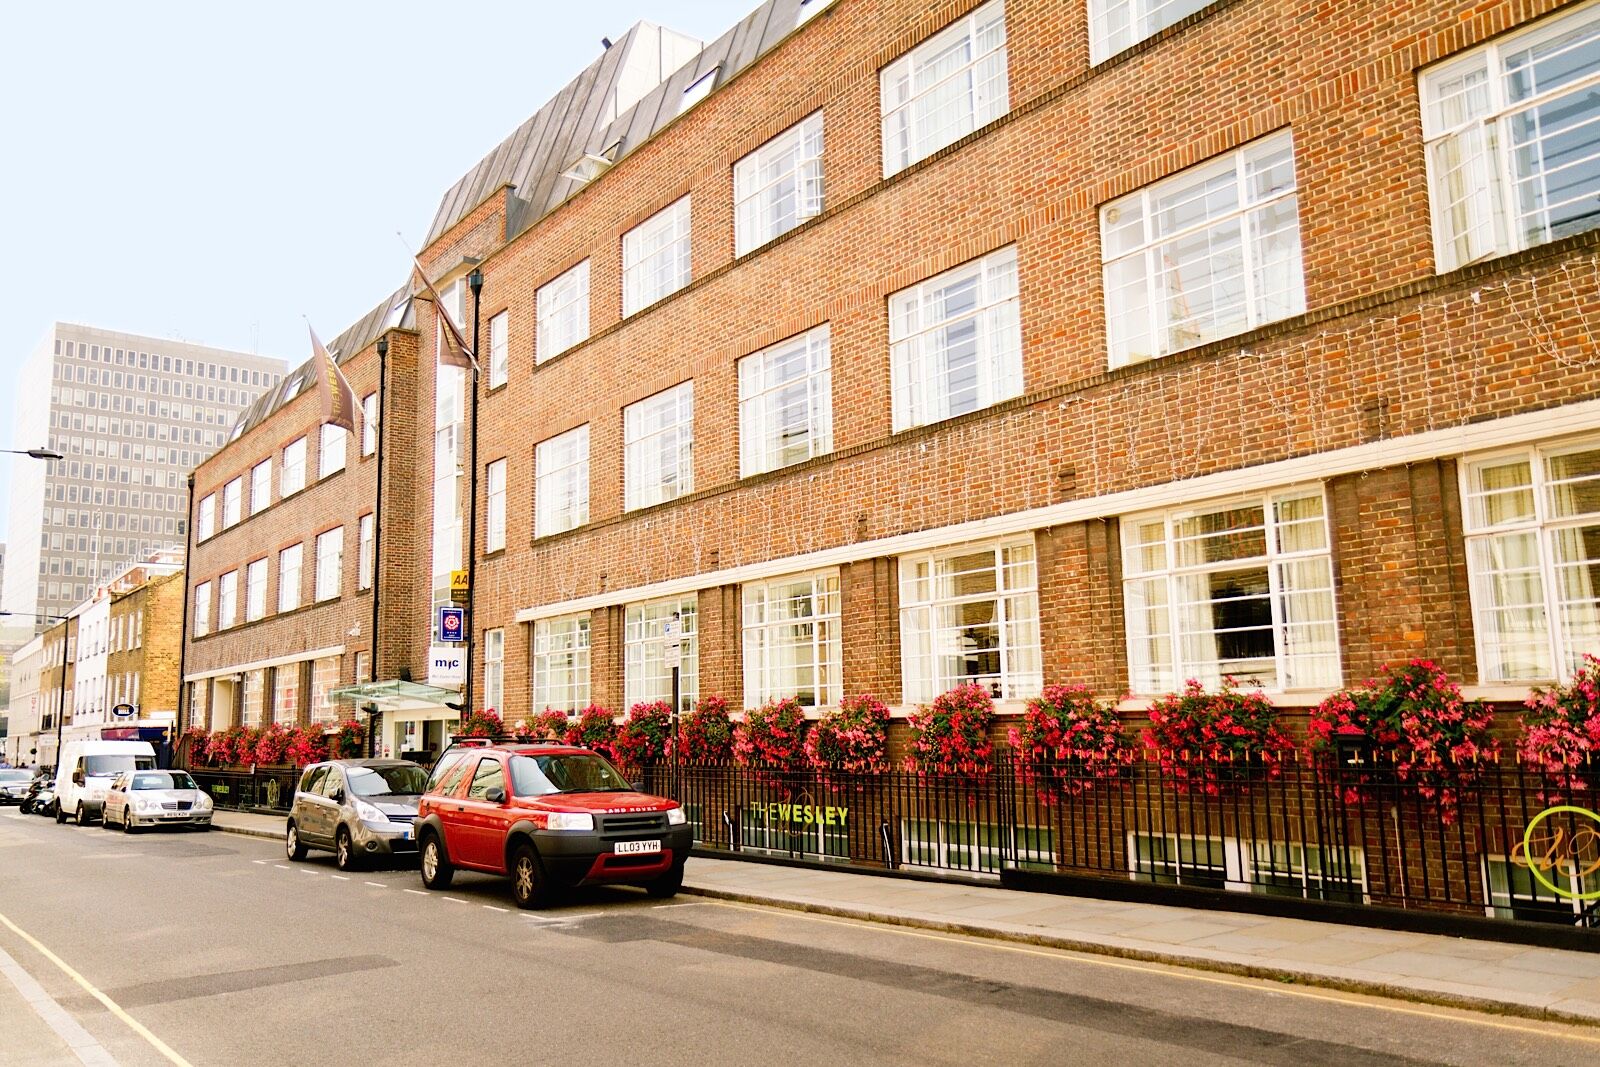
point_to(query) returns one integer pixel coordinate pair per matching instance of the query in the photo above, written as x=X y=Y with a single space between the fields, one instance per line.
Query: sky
x=213 y=171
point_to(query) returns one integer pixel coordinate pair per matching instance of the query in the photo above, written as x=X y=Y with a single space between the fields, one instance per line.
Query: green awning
x=395 y=695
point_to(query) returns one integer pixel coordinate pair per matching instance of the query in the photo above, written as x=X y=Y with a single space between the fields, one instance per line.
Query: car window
x=312 y=782
x=448 y=773
x=537 y=776
x=405 y=779
x=333 y=782
x=103 y=766
x=157 y=780
x=489 y=775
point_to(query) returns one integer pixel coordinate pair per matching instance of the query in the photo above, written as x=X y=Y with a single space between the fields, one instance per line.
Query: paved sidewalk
x=1486 y=975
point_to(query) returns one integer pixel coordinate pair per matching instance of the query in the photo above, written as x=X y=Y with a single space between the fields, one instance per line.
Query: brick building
x=889 y=346
x=1048 y=381
x=285 y=580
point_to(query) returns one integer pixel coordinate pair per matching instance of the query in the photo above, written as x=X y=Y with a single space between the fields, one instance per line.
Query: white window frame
x=261 y=486
x=367 y=544
x=1544 y=525
x=255 y=590
x=369 y=424
x=656 y=257
x=786 y=169
x=928 y=646
x=645 y=674
x=563 y=312
x=499 y=349
x=906 y=139
x=331 y=449
x=560 y=663
x=1117 y=25
x=1468 y=130
x=292 y=475
x=494 y=532
x=494 y=666
x=202 y=609
x=766 y=400
x=206 y=518
x=1501 y=902
x=779 y=618
x=650 y=475
x=289 y=576
x=1164 y=578
x=330 y=564
x=228 y=601
x=1148 y=313
x=920 y=348
x=561 y=482
x=233 y=503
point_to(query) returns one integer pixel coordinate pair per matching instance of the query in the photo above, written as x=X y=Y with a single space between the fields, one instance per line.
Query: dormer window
x=699 y=89
x=810 y=8
x=590 y=166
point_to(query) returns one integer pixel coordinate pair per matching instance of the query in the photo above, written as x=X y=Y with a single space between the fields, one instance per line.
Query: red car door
x=482 y=819
x=447 y=802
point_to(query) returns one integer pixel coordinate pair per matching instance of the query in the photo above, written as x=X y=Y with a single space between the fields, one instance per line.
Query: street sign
x=123 y=711
x=459 y=587
x=447 y=667
x=452 y=624
x=672 y=650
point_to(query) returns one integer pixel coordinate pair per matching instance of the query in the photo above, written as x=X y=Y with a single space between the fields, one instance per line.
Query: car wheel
x=435 y=866
x=105 y=820
x=345 y=856
x=61 y=816
x=668 y=884
x=81 y=816
x=127 y=824
x=528 y=885
x=291 y=844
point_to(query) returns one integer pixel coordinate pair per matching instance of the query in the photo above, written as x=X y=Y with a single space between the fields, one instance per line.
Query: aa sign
x=1571 y=846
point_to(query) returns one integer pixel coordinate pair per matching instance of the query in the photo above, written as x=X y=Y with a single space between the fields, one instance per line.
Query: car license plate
x=405 y=833
x=628 y=848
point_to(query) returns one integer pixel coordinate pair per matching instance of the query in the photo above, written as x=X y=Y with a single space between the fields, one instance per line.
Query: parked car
x=85 y=772
x=361 y=809
x=14 y=782
x=155 y=798
x=41 y=798
x=551 y=817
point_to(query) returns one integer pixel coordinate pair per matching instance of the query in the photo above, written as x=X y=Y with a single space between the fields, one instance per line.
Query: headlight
x=142 y=804
x=571 y=820
x=367 y=813
x=203 y=801
x=676 y=817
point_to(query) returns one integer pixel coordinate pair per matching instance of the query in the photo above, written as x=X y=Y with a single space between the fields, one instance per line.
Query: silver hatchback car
x=360 y=809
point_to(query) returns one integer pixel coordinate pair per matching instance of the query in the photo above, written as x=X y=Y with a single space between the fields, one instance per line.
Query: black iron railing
x=1316 y=828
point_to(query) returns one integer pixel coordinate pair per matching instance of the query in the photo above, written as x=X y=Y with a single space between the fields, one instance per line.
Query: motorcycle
x=41 y=798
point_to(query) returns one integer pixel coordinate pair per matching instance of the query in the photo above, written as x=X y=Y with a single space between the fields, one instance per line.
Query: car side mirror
x=495 y=795
x=338 y=796
x=637 y=787
x=77 y=777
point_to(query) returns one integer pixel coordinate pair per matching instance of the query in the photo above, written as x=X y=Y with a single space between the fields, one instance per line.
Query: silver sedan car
x=155 y=798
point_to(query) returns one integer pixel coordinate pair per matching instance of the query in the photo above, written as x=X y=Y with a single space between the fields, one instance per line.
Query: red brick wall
x=1385 y=339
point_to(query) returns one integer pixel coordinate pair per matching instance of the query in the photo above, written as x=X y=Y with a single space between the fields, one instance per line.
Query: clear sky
x=212 y=171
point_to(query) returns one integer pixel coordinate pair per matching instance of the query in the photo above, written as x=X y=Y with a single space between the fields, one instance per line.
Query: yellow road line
x=1175 y=971
x=110 y=1005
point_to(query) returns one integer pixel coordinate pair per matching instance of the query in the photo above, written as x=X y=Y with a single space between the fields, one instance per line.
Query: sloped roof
x=576 y=122
x=395 y=310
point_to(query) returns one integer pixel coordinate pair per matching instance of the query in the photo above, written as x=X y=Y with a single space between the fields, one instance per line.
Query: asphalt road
x=222 y=950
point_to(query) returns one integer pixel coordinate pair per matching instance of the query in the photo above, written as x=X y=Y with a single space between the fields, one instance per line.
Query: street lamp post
x=48 y=454
x=61 y=712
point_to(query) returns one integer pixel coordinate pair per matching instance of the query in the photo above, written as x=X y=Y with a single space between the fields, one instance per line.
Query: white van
x=86 y=770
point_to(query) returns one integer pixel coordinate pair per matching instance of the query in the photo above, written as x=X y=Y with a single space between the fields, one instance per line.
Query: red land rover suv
x=550 y=816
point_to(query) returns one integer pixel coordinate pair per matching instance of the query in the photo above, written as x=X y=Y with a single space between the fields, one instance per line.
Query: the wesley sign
x=806 y=814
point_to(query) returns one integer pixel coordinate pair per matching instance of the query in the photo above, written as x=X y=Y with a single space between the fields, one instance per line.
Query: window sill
x=496 y=554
